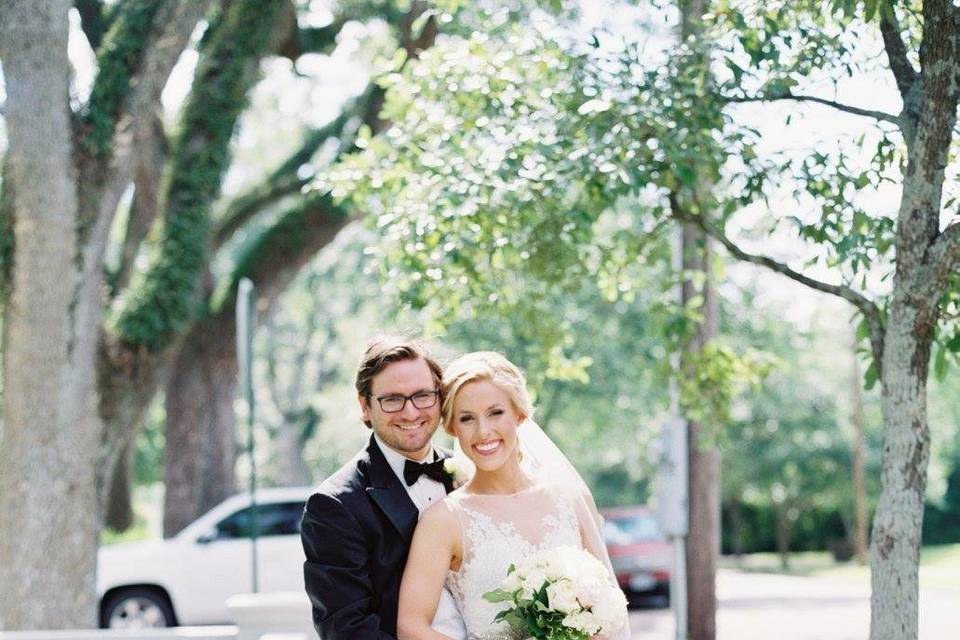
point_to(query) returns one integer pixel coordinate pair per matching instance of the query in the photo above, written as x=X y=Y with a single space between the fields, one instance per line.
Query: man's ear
x=364 y=408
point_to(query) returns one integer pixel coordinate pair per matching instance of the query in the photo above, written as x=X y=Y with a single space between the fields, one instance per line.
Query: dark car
x=639 y=552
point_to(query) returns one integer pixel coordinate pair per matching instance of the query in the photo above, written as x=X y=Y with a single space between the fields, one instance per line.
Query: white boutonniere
x=455 y=473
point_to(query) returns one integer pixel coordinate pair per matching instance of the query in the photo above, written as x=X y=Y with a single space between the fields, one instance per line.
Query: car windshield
x=631 y=529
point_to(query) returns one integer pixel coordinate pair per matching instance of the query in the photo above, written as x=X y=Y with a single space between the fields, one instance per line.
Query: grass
x=939 y=566
x=139 y=531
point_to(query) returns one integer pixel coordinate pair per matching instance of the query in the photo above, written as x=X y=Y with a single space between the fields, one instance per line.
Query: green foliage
x=523 y=167
x=768 y=52
x=118 y=58
x=716 y=375
x=163 y=299
x=750 y=527
x=532 y=615
x=788 y=446
x=503 y=158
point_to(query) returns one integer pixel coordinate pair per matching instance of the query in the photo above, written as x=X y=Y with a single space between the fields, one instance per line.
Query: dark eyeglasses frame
x=434 y=397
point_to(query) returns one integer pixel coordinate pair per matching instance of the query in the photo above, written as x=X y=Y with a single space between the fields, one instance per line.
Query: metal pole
x=678 y=453
x=245 y=325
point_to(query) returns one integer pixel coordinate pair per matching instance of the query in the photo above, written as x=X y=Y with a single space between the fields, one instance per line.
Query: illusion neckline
x=533 y=487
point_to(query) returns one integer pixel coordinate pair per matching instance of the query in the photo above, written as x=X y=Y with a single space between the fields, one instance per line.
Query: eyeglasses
x=420 y=400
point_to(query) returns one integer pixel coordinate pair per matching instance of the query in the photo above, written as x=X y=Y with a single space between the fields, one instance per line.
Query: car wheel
x=137 y=609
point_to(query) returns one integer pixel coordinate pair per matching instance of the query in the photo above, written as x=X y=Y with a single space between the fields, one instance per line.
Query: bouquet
x=560 y=594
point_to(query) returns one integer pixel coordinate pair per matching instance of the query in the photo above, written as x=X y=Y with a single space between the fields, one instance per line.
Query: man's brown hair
x=387 y=349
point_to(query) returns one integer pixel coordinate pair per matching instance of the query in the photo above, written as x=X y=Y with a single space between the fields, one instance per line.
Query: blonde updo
x=491 y=367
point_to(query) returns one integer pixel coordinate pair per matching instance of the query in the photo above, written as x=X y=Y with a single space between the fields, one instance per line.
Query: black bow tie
x=434 y=470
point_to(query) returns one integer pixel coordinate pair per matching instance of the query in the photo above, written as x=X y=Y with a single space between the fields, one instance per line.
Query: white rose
x=590 y=591
x=525 y=566
x=582 y=621
x=562 y=597
x=533 y=581
x=512 y=582
x=564 y=563
x=611 y=610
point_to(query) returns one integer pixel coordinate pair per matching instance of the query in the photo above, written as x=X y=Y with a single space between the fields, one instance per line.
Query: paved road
x=764 y=607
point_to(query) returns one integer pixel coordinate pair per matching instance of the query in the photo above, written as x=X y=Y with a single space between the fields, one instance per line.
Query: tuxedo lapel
x=389 y=494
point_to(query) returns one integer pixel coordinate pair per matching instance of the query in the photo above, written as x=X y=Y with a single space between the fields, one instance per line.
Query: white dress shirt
x=424 y=492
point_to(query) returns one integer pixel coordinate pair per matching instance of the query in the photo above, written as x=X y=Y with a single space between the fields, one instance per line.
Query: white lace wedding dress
x=499 y=530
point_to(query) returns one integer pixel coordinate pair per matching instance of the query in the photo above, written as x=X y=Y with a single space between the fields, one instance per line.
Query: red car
x=639 y=552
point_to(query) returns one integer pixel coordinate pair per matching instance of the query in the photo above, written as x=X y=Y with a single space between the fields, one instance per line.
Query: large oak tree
x=87 y=347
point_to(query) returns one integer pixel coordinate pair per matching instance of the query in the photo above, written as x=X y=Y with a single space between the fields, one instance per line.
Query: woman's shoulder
x=576 y=495
x=440 y=513
x=558 y=488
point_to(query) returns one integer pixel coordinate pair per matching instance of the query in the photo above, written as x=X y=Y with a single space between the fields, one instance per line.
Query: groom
x=357 y=527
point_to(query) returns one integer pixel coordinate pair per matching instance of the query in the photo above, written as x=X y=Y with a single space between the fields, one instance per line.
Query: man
x=357 y=527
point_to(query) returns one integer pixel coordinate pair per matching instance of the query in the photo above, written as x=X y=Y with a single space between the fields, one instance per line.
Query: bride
x=523 y=497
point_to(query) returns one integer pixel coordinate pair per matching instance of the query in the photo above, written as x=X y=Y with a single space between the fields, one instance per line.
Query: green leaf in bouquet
x=498 y=595
x=513 y=619
x=540 y=595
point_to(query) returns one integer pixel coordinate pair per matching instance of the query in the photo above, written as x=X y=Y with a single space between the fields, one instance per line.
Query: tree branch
x=866 y=306
x=135 y=60
x=166 y=299
x=150 y=156
x=282 y=250
x=305 y=40
x=944 y=256
x=145 y=40
x=867 y=113
x=287 y=179
x=900 y=65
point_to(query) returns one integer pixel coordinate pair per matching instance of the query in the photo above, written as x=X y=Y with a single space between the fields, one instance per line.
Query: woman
x=506 y=511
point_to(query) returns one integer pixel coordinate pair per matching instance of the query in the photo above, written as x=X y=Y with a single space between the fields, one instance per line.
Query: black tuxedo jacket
x=356 y=534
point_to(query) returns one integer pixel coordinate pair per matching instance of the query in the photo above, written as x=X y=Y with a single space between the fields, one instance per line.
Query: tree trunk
x=898 y=521
x=200 y=438
x=859 y=472
x=119 y=512
x=736 y=527
x=51 y=430
x=783 y=535
x=703 y=539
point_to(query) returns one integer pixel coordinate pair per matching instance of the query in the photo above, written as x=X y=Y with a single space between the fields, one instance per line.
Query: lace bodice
x=498 y=530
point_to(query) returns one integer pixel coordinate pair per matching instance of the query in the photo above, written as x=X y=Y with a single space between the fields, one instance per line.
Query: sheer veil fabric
x=543 y=461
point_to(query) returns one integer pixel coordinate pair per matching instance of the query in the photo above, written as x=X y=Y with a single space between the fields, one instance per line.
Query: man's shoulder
x=349 y=479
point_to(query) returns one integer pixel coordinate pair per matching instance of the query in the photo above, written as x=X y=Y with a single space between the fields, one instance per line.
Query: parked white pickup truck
x=186 y=580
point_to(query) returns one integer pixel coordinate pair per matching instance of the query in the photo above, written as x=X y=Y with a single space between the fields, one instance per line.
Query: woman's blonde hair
x=491 y=367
